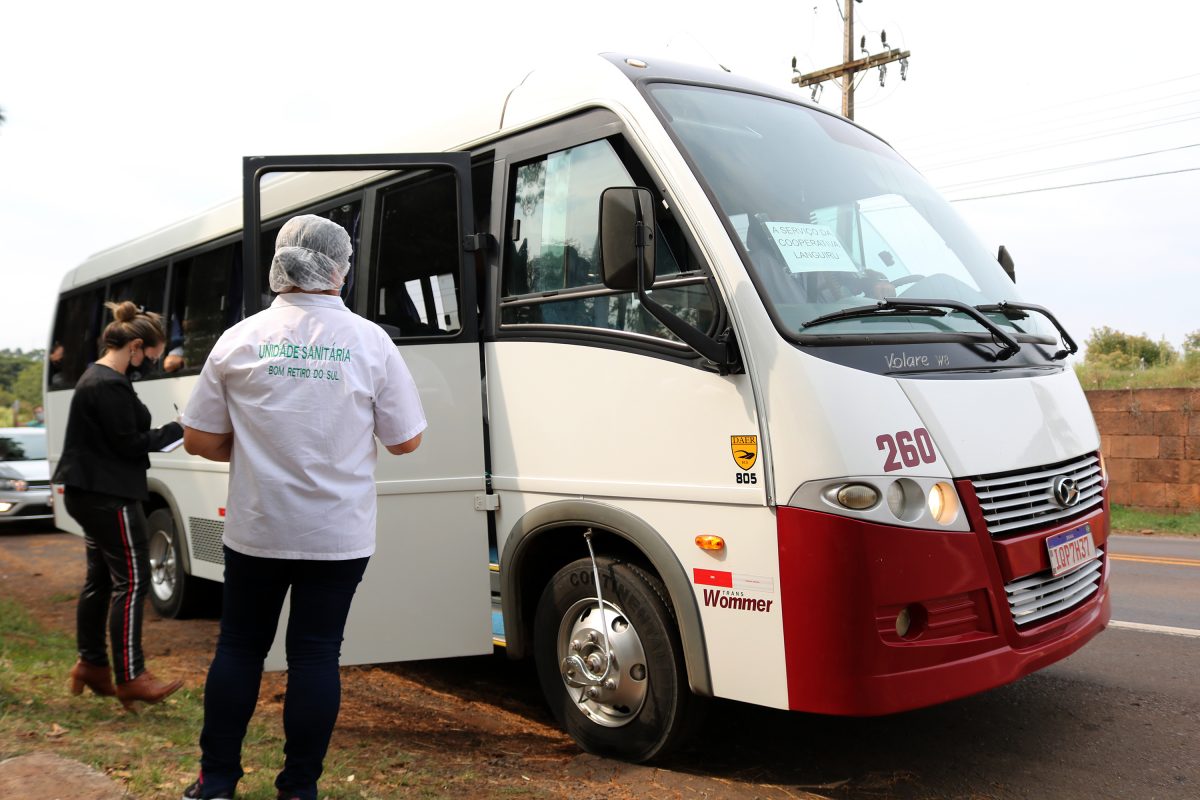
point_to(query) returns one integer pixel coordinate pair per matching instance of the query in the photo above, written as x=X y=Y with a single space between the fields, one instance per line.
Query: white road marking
x=1192 y=633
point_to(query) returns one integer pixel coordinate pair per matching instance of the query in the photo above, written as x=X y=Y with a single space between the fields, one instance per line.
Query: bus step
x=497 y=626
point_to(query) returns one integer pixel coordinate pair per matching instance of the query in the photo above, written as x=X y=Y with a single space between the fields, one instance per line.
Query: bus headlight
x=929 y=503
x=943 y=503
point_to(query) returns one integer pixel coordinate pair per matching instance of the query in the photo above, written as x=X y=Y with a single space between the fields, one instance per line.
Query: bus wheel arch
x=549 y=537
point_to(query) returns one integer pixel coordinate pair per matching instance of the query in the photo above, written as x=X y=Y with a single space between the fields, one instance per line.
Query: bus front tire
x=173 y=593
x=641 y=706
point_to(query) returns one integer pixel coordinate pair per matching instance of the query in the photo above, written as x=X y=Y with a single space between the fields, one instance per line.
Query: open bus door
x=426 y=593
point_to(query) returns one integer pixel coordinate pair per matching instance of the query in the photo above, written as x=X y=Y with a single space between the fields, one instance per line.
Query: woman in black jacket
x=103 y=468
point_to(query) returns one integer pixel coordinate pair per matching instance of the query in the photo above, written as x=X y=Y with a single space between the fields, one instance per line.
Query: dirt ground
x=478 y=715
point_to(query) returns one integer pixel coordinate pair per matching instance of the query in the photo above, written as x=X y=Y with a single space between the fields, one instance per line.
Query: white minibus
x=724 y=401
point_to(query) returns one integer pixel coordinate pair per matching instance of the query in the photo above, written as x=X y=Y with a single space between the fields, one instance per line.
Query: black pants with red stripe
x=118 y=578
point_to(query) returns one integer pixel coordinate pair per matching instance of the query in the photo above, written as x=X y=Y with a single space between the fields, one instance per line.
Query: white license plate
x=1069 y=549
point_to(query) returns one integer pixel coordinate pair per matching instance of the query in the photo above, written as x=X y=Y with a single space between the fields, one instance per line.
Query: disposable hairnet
x=311 y=253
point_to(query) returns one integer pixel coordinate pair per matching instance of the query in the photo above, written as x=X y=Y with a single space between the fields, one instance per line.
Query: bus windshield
x=831 y=217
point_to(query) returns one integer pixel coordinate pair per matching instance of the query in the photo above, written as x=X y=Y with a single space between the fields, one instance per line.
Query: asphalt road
x=1119 y=719
x=1156 y=581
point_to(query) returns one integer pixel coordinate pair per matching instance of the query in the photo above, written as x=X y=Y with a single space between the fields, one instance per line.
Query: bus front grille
x=1042 y=595
x=1018 y=501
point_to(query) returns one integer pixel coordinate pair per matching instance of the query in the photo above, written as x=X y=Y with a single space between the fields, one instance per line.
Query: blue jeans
x=253 y=597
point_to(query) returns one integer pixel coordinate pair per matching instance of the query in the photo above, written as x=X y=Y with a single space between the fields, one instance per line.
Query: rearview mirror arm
x=722 y=352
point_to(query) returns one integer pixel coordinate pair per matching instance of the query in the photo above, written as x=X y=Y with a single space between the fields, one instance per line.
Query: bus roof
x=545 y=93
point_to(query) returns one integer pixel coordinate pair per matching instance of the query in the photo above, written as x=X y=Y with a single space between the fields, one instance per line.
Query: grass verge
x=149 y=753
x=155 y=754
x=1132 y=520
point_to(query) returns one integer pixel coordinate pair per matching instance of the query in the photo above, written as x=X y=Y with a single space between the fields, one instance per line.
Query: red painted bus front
x=845 y=583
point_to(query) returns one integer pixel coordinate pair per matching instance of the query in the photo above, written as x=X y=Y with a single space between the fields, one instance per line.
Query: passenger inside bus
x=174 y=360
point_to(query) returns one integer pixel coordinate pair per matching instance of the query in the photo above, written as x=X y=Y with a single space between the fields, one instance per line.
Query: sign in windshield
x=807 y=248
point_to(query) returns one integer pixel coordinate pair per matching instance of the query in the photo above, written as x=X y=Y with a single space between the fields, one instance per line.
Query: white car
x=24 y=475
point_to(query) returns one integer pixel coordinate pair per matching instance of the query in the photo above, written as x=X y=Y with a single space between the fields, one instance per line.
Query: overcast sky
x=126 y=116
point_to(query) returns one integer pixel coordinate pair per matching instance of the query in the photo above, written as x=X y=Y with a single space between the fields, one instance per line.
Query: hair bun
x=126 y=311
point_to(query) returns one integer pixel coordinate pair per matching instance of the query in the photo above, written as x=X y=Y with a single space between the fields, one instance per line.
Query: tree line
x=1115 y=349
x=1119 y=360
x=20 y=384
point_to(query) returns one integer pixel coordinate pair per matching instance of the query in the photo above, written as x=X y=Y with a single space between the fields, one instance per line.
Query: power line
x=1071 y=127
x=963 y=142
x=1051 y=170
x=1069 y=140
x=1075 y=185
x=1041 y=112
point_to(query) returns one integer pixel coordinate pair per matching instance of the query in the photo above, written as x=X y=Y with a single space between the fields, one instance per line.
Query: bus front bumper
x=846 y=584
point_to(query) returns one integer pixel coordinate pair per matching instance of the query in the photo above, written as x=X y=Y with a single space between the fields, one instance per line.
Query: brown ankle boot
x=145 y=688
x=94 y=677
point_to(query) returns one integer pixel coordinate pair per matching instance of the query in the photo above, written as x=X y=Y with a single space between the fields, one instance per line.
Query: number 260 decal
x=909 y=447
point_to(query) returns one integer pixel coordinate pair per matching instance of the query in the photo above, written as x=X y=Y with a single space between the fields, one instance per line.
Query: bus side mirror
x=1006 y=263
x=627 y=238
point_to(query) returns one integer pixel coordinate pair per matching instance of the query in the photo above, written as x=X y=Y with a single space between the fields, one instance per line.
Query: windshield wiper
x=879 y=309
x=1016 y=311
x=897 y=306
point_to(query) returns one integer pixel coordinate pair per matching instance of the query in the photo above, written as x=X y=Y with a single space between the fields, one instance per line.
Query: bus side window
x=553 y=246
x=415 y=276
x=75 y=344
x=148 y=289
x=202 y=307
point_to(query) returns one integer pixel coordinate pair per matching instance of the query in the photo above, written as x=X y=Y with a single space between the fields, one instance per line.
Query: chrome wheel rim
x=610 y=692
x=162 y=565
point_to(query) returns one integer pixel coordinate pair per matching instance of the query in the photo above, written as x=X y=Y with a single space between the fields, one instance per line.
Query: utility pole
x=850 y=65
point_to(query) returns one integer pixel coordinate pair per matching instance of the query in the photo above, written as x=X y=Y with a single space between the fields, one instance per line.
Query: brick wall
x=1151 y=444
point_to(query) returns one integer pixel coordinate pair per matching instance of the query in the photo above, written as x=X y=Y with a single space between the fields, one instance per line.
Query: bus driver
x=293 y=397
